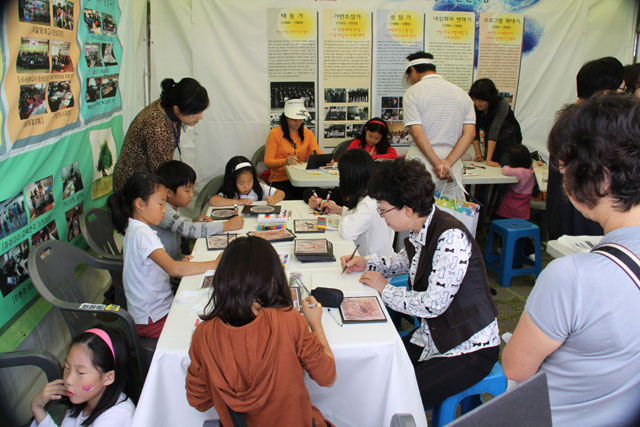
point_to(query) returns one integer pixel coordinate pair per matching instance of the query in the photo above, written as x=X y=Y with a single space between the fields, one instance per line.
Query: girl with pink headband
x=94 y=379
x=374 y=139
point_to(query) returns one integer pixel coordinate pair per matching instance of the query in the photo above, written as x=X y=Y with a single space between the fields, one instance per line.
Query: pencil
x=352 y=255
x=270 y=181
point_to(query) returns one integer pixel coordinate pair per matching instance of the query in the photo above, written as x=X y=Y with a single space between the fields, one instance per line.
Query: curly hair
x=403 y=183
x=597 y=144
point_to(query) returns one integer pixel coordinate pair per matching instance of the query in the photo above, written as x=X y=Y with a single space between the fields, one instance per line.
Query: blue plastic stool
x=511 y=260
x=401 y=281
x=495 y=383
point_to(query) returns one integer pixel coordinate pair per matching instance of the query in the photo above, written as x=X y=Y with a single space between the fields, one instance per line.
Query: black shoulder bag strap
x=622 y=256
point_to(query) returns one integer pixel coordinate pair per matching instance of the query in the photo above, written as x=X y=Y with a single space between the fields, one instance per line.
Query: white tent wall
x=222 y=43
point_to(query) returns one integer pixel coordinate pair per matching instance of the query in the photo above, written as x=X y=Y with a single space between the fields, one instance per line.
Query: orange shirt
x=258 y=369
x=278 y=149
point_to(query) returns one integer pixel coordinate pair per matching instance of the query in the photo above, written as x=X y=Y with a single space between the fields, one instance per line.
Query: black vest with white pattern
x=472 y=308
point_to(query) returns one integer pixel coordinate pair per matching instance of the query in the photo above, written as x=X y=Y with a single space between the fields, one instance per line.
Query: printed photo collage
x=345 y=112
x=38 y=55
x=18 y=211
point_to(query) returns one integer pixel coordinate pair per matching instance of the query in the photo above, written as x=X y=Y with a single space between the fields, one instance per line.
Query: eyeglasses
x=382 y=213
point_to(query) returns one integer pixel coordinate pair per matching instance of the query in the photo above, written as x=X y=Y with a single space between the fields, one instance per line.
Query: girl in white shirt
x=147 y=266
x=94 y=379
x=241 y=186
x=360 y=220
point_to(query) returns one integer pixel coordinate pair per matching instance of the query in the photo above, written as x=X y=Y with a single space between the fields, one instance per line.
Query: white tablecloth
x=375 y=378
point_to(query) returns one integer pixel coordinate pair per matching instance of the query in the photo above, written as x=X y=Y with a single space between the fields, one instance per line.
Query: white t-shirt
x=119 y=415
x=367 y=228
x=441 y=107
x=252 y=194
x=146 y=284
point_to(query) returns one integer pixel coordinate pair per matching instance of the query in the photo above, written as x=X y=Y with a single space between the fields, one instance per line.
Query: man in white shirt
x=441 y=119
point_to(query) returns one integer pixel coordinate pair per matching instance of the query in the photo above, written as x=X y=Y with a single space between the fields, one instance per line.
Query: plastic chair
x=495 y=383
x=258 y=159
x=52 y=267
x=41 y=359
x=97 y=229
x=511 y=260
x=340 y=149
x=210 y=189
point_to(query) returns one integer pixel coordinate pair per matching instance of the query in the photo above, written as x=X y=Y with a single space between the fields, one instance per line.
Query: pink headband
x=105 y=337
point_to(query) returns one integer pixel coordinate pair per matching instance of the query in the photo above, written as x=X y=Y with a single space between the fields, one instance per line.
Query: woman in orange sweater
x=288 y=144
x=250 y=354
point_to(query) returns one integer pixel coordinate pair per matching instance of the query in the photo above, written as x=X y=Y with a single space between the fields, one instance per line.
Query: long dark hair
x=376 y=124
x=285 y=129
x=188 y=95
x=356 y=168
x=229 y=188
x=140 y=184
x=104 y=361
x=249 y=270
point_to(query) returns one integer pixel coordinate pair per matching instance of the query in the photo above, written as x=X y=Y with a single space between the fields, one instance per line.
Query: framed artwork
x=361 y=310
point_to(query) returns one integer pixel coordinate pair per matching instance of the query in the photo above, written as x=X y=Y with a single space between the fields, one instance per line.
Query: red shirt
x=390 y=154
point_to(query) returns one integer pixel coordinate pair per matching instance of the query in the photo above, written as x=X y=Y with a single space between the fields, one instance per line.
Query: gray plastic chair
x=258 y=159
x=97 y=229
x=340 y=149
x=211 y=189
x=53 y=266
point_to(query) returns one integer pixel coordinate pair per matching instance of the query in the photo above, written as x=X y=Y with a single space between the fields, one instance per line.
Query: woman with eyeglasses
x=457 y=342
x=288 y=144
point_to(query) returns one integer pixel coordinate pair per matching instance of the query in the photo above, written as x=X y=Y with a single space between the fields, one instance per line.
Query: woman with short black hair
x=575 y=327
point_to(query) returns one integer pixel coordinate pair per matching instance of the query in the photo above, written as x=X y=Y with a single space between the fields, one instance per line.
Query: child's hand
x=312 y=314
x=354 y=265
x=52 y=391
x=315 y=202
x=235 y=223
x=202 y=218
x=246 y=202
x=271 y=200
x=331 y=207
x=493 y=164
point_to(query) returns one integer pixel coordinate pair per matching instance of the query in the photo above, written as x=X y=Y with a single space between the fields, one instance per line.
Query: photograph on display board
x=63 y=14
x=357 y=113
x=354 y=130
x=71 y=179
x=283 y=91
x=109 y=26
x=93 y=20
x=33 y=56
x=93 y=89
x=391 y=114
x=73 y=222
x=61 y=57
x=32 y=100
x=92 y=55
x=334 y=131
x=109 y=86
x=60 y=96
x=13 y=215
x=13 y=268
x=390 y=102
x=359 y=95
x=34 y=11
x=398 y=133
x=103 y=152
x=39 y=197
x=107 y=55
x=48 y=232
x=335 y=113
x=335 y=95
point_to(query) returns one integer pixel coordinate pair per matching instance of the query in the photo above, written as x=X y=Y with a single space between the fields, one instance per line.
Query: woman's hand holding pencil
x=352 y=263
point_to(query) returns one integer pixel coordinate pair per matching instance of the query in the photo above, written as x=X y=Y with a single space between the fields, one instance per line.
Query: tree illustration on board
x=105 y=158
